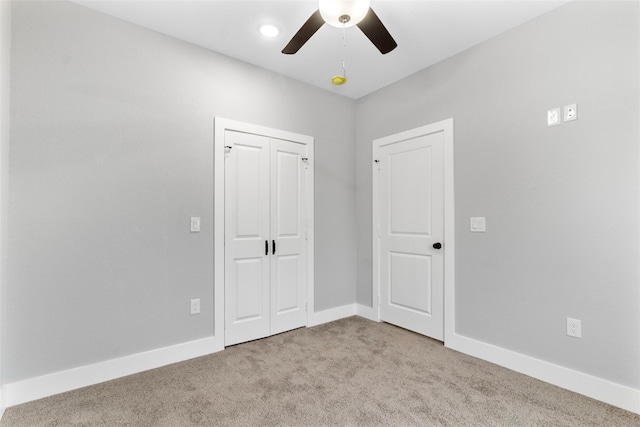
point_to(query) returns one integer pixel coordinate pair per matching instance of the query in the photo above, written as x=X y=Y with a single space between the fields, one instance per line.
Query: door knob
x=437 y=245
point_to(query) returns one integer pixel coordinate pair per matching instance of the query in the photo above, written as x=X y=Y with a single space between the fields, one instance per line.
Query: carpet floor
x=349 y=372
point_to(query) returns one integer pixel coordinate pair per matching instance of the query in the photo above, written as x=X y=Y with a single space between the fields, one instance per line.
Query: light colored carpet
x=349 y=372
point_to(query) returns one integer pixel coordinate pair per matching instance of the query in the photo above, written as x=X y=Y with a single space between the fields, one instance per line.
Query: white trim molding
x=71 y=379
x=367 y=312
x=59 y=382
x=2 y=403
x=597 y=388
x=43 y=386
x=331 y=314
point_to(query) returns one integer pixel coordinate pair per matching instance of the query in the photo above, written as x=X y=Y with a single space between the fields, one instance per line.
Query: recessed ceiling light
x=269 y=31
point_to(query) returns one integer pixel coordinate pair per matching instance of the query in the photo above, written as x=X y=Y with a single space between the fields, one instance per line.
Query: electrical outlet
x=570 y=112
x=574 y=327
x=195 y=306
x=553 y=117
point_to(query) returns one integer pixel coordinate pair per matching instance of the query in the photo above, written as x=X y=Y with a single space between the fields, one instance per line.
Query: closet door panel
x=247 y=261
x=288 y=263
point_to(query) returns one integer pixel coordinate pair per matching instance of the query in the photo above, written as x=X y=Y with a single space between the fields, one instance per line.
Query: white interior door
x=265 y=237
x=410 y=206
x=288 y=254
x=247 y=262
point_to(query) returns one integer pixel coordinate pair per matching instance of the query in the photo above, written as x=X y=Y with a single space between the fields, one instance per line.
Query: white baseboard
x=59 y=382
x=597 y=388
x=36 y=388
x=2 y=405
x=326 y=316
x=367 y=312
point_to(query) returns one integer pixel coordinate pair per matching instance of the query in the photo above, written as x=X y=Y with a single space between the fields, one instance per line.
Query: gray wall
x=111 y=153
x=562 y=203
x=5 y=84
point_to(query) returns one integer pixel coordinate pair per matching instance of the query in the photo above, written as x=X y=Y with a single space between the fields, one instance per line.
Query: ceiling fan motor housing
x=343 y=13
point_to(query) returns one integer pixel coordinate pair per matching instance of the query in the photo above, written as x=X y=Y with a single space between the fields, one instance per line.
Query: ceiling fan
x=343 y=14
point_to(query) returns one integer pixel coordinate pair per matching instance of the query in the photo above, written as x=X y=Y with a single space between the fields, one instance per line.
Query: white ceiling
x=426 y=31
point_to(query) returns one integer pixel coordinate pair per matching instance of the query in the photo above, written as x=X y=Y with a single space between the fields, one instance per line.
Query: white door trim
x=221 y=125
x=445 y=126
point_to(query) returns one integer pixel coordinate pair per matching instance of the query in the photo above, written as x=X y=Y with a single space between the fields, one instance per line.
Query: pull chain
x=344 y=50
x=342 y=79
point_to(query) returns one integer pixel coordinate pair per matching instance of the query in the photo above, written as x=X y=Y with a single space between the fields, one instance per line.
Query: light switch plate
x=553 y=117
x=570 y=112
x=195 y=224
x=478 y=224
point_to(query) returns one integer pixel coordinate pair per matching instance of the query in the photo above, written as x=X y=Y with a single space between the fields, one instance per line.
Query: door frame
x=221 y=125
x=445 y=126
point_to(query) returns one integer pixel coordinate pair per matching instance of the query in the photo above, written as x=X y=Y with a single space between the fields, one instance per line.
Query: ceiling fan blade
x=374 y=29
x=305 y=32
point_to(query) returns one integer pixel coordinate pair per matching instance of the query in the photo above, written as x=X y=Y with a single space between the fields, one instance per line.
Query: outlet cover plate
x=574 y=328
x=553 y=117
x=570 y=112
x=195 y=306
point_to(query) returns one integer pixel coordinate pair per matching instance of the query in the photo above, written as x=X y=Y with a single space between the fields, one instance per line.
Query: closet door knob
x=266 y=247
x=274 y=247
x=437 y=245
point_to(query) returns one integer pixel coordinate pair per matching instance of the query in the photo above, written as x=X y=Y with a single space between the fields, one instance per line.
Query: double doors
x=265 y=236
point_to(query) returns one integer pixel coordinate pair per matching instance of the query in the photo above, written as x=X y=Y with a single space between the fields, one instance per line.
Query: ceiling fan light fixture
x=343 y=13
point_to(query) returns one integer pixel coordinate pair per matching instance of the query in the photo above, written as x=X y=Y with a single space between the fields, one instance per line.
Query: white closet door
x=289 y=259
x=265 y=237
x=411 y=212
x=247 y=276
